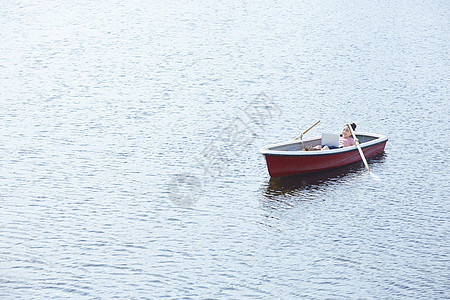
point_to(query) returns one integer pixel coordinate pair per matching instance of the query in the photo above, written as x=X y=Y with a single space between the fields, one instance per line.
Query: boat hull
x=302 y=162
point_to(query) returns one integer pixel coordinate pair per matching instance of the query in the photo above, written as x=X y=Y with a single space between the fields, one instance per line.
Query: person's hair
x=353 y=126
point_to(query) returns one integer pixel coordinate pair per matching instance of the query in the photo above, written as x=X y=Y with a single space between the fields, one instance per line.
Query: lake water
x=129 y=162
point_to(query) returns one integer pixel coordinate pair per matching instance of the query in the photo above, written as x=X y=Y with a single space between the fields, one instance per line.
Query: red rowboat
x=287 y=158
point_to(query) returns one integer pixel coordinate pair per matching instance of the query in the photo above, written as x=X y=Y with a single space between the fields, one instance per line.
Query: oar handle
x=296 y=138
x=311 y=127
x=359 y=147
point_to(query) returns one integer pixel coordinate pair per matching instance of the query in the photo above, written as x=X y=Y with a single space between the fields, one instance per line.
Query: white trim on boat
x=266 y=150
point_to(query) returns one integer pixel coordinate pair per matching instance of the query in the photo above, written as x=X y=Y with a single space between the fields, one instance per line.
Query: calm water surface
x=129 y=162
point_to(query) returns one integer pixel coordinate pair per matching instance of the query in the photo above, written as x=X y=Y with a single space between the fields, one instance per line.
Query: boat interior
x=311 y=143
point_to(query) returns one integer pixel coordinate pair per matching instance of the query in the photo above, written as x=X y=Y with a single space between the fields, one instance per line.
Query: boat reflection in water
x=283 y=192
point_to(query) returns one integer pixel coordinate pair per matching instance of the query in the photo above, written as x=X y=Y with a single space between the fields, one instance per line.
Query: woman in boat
x=346 y=139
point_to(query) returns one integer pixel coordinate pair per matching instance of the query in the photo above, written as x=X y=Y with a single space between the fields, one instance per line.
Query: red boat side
x=285 y=163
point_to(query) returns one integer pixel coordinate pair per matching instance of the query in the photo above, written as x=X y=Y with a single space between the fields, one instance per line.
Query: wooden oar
x=301 y=134
x=359 y=147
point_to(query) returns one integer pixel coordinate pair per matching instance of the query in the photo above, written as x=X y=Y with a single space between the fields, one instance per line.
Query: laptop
x=330 y=139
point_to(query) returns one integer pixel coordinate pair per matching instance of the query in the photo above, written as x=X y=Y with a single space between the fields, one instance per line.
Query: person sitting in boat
x=346 y=139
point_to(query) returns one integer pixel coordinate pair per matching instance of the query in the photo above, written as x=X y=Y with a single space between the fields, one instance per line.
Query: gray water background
x=121 y=175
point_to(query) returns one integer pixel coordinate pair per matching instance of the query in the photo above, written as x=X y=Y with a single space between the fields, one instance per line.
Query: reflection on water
x=282 y=192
